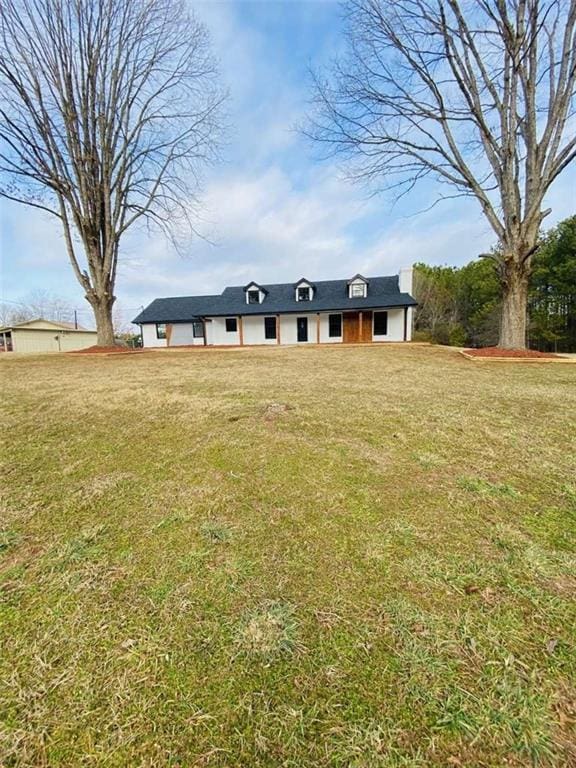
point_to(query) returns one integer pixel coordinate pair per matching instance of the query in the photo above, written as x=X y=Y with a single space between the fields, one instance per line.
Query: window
x=160 y=330
x=231 y=325
x=357 y=290
x=380 y=323
x=198 y=329
x=303 y=294
x=269 y=327
x=254 y=297
x=334 y=326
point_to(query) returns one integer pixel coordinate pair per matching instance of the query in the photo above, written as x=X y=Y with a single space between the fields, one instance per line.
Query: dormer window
x=304 y=294
x=303 y=290
x=357 y=287
x=255 y=293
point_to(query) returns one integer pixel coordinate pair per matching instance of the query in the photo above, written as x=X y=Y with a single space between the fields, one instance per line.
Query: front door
x=351 y=327
x=302 y=325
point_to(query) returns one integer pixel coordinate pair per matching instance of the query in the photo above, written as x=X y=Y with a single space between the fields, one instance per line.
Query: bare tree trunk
x=514 y=306
x=102 y=308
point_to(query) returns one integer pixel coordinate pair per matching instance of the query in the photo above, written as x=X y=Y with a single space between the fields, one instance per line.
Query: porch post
x=360 y=331
x=277 y=329
x=318 y=328
x=405 y=323
x=241 y=330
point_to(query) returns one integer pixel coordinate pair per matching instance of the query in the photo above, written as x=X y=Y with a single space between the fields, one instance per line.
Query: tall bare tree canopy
x=109 y=109
x=476 y=96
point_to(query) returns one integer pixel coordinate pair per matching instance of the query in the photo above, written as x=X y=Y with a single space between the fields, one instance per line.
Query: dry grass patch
x=314 y=557
x=268 y=631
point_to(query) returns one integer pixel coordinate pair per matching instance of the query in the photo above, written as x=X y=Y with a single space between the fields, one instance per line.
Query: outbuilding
x=45 y=336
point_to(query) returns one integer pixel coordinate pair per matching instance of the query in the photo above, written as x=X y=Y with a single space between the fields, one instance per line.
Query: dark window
x=334 y=326
x=302 y=328
x=357 y=290
x=198 y=329
x=231 y=325
x=160 y=330
x=380 y=323
x=303 y=294
x=253 y=297
x=269 y=327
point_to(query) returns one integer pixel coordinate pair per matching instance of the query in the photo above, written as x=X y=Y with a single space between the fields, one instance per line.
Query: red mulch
x=499 y=352
x=103 y=350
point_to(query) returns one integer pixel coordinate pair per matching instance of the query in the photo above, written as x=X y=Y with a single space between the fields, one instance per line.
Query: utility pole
x=76 y=319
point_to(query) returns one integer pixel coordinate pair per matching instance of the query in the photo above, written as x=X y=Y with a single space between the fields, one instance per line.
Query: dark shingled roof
x=280 y=298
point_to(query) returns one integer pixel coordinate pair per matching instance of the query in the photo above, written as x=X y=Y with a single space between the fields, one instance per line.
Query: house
x=45 y=336
x=359 y=309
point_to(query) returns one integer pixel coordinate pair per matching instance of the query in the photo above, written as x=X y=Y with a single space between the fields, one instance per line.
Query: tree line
x=461 y=306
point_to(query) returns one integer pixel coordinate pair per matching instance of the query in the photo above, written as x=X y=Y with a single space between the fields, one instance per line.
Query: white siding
x=182 y=334
x=289 y=329
x=149 y=338
x=217 y=334
x=395 y=326
x=36 y=340
x=409 y=324
x=253 y=328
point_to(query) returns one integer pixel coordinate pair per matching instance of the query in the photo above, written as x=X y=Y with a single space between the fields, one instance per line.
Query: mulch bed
x=513 y=353
x=95 y=350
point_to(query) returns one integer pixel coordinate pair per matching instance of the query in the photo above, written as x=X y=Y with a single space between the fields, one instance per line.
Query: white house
x=361 y=309
x=45 y=336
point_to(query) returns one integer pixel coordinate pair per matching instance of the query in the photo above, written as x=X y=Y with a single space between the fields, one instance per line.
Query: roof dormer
x=357 y=287
x=255 y=294
x=304 y=290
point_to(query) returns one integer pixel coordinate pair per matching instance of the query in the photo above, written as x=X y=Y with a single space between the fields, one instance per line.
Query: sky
x=273 y=209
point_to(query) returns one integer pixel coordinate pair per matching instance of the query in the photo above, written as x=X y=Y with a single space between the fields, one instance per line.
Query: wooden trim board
x=517 y=359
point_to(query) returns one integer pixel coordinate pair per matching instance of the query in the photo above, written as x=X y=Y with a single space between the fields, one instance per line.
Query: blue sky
x=272 y=209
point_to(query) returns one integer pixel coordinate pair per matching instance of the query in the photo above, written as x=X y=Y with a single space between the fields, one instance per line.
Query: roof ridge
x=315 y=282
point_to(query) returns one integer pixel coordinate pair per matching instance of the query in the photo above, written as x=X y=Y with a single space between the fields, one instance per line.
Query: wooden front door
x=357 y=327
x=366 y=327
x=351 y=334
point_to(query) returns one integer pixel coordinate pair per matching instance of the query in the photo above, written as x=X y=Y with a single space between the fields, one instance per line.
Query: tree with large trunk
x=109 y=110
x=477 y=97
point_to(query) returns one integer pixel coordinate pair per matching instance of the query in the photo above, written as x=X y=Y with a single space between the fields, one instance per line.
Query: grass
x=360 y=557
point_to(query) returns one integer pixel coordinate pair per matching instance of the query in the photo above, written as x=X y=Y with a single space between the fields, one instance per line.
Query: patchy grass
x=215 y=532
x=268 y=631
x=360 y=557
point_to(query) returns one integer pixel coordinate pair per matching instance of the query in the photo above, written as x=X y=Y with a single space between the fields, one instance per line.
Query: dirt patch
x=513 y=353
x=272 y=410
x=96 y=350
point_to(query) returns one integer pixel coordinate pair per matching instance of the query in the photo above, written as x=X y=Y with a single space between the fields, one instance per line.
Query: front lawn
x=299 y=557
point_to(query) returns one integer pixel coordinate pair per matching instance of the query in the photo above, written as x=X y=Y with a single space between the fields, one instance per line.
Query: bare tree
x=476 y=96
x=44 y=304
x=109 y=110
x=38 y=304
